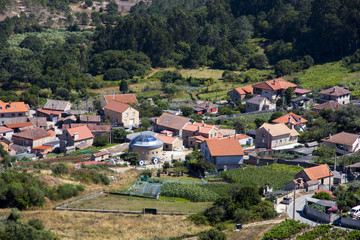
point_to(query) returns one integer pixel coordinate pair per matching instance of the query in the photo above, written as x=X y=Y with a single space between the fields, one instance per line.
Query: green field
x=127 y=203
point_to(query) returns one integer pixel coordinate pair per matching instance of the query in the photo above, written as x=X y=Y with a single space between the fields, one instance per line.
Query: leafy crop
x=276 y=175
x=285 y=230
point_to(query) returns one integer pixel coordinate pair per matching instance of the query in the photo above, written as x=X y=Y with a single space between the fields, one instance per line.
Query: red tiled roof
x=52 y=133
x=19 y=125
x=333 y=105
x=198 y=127
x=301 y=91
x=117 y=106
x=123 y=98
x=42 y=147
x=83 y=131
x=89 y=118
x=92 y=126
x=275 y=84
x=206 y=105
x=318 y=172
x=33 y=134
x=225 y=147
x=294 y=119
x=241 y=136
x=172 y=121
x=335 y=91
x=342 y=138
x=245 y=90
x=13 y=107
x=166 y=139
x=50 y=112
x=5 y=129
x=101 y=153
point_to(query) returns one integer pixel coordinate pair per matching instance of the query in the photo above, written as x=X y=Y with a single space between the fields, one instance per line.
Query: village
x=57 y=130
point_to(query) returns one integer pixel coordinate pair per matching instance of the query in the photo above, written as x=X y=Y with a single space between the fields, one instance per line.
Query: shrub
x=212 y=234
x=198 y=219
x=242 y=215
x=101 y=141
x=66 y=191
x=36 y=223
x=60 y=168
x=322 y=195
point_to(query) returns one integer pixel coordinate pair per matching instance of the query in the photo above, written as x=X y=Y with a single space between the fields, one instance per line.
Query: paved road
x=299 y=205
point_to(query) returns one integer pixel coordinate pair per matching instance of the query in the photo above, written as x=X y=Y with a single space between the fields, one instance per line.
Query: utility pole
x=294 y=202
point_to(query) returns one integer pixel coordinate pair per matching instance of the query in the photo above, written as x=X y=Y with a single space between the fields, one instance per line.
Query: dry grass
x=205 y=72
x=251 y=233
x=79 y=225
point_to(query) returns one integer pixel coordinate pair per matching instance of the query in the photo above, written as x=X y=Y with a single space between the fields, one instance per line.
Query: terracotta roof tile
x=294 y=119
x=83 y=131
x=318 y=172
x=198 y=127
x=166 y=139
x=225 y=147
x=19 y=125
x=117 y=106
x=33 y=134
x=342 y=138
x=335 y=91
x=50 y=112
x=58 y=105
x=123 y=98
x=13 y=107
x=5 y=129
x=275 y=84
x=39 y=122
x=333 y=105
x=206 y=105
x=101 y=153
x=42 y=147
x=172 y=121
x=89 y=118
x=279 y=129
x=52 y=133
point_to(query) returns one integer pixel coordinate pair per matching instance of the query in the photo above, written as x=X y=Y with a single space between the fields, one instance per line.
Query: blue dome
x=145 y=141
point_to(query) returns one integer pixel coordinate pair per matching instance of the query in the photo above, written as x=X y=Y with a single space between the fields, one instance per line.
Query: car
x=355 y=211
x=286 y=200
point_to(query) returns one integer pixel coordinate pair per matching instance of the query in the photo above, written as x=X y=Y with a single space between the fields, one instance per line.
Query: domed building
x=147 y=146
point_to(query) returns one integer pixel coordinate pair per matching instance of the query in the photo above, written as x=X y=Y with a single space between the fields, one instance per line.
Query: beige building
x=343 y=142
x=33 y=137
x=122 y=113
x=272 y=136
x=15 y=112
x=78 y=137
x=337 y=94
x=100 y=156
x=198 y=129
x=170 y=143
x=123 y=98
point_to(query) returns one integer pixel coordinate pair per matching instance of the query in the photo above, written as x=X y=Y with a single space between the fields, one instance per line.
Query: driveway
x=118 y=148
x=299 y=205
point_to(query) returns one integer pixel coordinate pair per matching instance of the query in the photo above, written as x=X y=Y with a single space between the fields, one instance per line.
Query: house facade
x=33 y=137
x=272 y=136
x=100 y=156
x=72 y=138
x=205 y=107
x=343 y=142
x=240 y=93
x=259 y=103
x=337 y=94
x=13 y=112
x=224 y=153
x=170 y=143
x=273 y=89
x=198 y=129
x=122 y=114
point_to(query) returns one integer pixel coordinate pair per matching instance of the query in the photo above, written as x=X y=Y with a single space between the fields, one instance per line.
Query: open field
x=126 y=203
x=82 y=225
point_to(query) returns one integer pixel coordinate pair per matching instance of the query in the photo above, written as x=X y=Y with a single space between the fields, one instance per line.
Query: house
x=225 y=132
x=123 y=98
x=337 y=94
x=42 y=150
x=259 y=103
x=89 y=119
x=39 y=122
x=343 y=142
x=205 y=107
x=33 y=137
x=244 y=139
x=6 y=132
x=100 y=156
x=13 y=112
x=78 y=137
x=292 y=120
x=170 y=143
x=53 y=109
x=95 y=129
x=310 y=176
x=332 y=105
x=273 y=89
x=122 y=114
x=302 y=102
x=273 y=136
x=171 y=122
x=224 y=153
x=198 y=129
x=240 y=93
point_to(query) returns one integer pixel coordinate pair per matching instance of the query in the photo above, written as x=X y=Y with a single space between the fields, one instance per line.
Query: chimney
x=299 y=119
x=329 y=135
x=199 y=128
x=156 y=120
x=76 y=136
x=289 y=119
x=9 y=104
x=203 y=124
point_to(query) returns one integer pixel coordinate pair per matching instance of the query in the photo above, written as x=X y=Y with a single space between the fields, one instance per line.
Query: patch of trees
x=14 y=228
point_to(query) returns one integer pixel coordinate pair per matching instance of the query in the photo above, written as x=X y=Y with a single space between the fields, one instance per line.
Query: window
x=280 y=140
x=210 y=135
x=13 y=114
x=133 y=113
x=276 y=141
x=127 y=114
x=2 y=115
x=20 y=114
x=124 y=121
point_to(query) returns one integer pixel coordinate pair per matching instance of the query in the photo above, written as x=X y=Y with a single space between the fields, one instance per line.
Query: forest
x=284 y=35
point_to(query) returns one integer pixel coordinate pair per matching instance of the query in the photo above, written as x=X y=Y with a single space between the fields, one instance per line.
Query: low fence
x=350 y=222
x=318 y=215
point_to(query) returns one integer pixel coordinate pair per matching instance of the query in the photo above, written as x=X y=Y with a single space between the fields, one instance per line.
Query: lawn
x=323 y=76
x=127 y=203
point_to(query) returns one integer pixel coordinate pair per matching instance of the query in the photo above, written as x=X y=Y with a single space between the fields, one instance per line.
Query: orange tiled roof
x=333 y=105
x=123 y=98
x=19 y=125
x=245 y=90
x=13 y=107
x=33 y=134
x=279 y=129
x=198 y=127
x=42 y=147
x=294 y=119
x=5 y=129
x=318 y=172
x=83 y=131
x=275 y=84
x=50 y=112
x=165 y=139
x=52 y=133
x=225 y=147
x=118 y=107
x=241 y=136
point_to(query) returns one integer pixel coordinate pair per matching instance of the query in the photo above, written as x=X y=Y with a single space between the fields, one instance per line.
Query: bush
x=322 y=195
x=115 y=74
x=60 y=168
x=242 y=215
x=14 y=215
x=212 y=234
x=37 y=224
x=101 y=141
x=67 y=190
x=198 y=219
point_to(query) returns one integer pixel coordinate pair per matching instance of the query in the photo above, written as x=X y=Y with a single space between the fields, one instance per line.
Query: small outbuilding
x=100 y=156
x=147 y=146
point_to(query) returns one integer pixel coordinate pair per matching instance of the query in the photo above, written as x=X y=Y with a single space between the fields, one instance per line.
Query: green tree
x=186 y=111
x=212 y=234
x=133 y=158
x=112 y=8
x=289 y=92
x=124 y=86
x=284 y=67
x=118 y=135
x=33 y=43
x=101 y=141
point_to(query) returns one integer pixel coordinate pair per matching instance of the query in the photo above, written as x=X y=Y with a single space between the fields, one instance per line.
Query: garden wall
x=349 y=222
x=318 y=215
